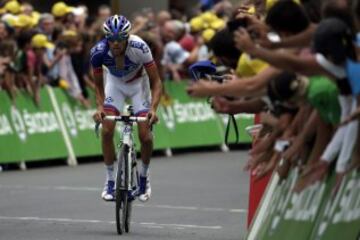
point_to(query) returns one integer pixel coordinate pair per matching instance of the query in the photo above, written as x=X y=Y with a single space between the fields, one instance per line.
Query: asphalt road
x=195 y=196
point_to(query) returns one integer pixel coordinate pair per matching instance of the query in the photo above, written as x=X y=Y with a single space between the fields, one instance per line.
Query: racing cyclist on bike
x=124 y=68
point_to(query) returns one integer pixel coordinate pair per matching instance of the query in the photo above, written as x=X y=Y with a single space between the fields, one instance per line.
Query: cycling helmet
x=117 y=26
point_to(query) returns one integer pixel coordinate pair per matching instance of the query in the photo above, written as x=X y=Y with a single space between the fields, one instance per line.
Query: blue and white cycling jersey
x=137 y=56
x=131 y=82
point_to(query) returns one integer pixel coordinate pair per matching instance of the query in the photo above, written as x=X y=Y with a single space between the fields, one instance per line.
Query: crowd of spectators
x=297 y=65
x=53 y=48
x=47 y=48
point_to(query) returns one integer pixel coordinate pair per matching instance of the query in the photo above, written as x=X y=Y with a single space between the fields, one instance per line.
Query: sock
x=109 y=172
x=144 y=170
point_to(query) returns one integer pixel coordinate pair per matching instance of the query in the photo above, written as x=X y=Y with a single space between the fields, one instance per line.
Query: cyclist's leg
x=141 y=101
x=114 y=101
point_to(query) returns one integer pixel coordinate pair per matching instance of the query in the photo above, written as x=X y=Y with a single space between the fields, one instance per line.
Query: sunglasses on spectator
x=117 y=37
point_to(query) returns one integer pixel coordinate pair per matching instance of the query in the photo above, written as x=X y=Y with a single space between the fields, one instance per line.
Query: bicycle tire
x=129 y=203
x=121 y=200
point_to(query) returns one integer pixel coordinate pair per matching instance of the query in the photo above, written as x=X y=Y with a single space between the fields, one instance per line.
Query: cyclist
x=125 y=64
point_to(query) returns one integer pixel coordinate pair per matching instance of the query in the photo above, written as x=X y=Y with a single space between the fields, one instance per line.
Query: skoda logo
x=69 y=119
x=167 y=114
x=19 y=123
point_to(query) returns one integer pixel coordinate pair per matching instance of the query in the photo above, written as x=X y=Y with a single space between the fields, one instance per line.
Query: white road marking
x=146 y=224
x=238 y=210
x=176 y=207
x=93 y=189
x=183 y=225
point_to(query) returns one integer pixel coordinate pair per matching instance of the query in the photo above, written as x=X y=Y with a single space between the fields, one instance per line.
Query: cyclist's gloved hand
x=152 y=117
x=98 y=116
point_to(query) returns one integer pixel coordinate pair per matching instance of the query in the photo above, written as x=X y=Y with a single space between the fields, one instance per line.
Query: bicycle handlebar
x=126 y=118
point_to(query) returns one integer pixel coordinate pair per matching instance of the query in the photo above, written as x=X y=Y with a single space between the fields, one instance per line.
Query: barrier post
x=71 y=161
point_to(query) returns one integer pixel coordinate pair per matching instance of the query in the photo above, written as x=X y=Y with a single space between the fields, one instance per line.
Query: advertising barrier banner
x=79 y=124
x=29 y=132
x=316 y=213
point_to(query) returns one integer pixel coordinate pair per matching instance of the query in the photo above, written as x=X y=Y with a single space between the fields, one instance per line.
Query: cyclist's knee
x=108 y=132
x=145 y=138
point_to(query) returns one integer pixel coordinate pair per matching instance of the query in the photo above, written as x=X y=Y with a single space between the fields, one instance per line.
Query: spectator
x=22 y=65
x=175 y=56
x=7 y=53
x=39 y=45
x=5 y=31
x=47 y=25
x=64 y=17
x=67 y=44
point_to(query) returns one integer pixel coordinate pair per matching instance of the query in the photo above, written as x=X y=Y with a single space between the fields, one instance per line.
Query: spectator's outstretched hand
x=221 y=105
x=201 y=88
x=243 y=41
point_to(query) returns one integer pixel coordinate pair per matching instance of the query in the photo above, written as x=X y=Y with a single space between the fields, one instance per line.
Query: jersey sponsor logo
x=146 y=104
x=98 y=48
x=140 y=45
x=101 y=46
x=109 y=100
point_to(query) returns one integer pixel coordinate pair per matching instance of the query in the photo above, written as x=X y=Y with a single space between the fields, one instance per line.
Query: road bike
x=127 y=177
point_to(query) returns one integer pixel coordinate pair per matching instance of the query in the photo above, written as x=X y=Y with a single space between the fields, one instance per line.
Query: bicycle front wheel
x=133 y=185
x=121 y=198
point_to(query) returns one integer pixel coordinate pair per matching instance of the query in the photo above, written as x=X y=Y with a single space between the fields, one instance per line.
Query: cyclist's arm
x=99 y=89
x=149 y=64
x=155 y=84
x=96 y=61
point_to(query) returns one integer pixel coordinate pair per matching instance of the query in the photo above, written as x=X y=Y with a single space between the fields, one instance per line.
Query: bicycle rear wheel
x=121 y=197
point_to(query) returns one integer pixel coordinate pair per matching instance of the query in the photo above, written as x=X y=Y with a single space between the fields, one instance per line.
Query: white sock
x=144 y=170
x=109 y=172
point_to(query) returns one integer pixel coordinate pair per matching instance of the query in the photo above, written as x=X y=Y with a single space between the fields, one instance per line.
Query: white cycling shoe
x=145 y=189
x=108 y=193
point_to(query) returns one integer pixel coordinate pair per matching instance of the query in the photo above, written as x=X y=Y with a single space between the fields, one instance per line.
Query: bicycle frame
x=128 y=141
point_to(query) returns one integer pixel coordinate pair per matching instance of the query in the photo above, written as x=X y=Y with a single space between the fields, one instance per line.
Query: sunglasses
x=117 y=37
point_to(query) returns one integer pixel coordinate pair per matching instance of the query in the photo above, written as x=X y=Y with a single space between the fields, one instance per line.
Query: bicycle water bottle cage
x=202 y=68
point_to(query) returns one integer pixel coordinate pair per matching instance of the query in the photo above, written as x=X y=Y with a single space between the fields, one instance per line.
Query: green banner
x=315 y=213
x=79 y=123
x=29 y=132
x=340 y=215
x=192 y=122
